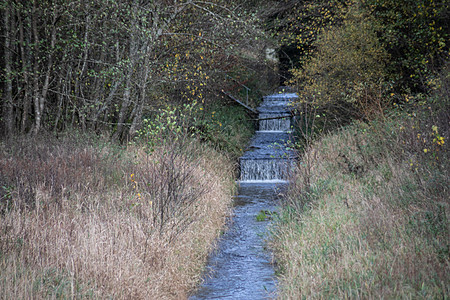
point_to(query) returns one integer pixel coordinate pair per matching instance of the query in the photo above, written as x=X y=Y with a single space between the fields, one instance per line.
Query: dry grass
x=371 y=219
x=75 y=224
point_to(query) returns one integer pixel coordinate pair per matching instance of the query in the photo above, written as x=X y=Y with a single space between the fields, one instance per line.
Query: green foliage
x=265 y=215
x=226 y=127
x=261 y=216
x=371 y=220
x=380 y=227
x=296 y=25
x=168 y=124
x=5 y=197
x=53 y=283
x=365 y=55
x=229 y=127
x=347 y=70
x=415 y=34
x=299 y=22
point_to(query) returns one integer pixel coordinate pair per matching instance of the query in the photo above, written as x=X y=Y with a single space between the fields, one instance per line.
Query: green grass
x=371 y=220
x=229 y=127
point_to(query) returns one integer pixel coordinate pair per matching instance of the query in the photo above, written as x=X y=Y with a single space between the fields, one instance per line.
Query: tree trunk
x=26 y=102
x=36 y=94
x=59 y=107
x=125 y=104
x=133 y=58
x=40 y=98
x=8 y=110
x=79 y=79
x=137 y=115
x=105 y=108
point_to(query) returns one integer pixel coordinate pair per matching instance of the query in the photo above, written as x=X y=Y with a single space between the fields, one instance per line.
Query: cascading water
x=274 y=122
x=268 y=158
x=242 y=268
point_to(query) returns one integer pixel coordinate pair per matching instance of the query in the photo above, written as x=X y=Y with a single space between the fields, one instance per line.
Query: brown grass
x=371 y=219
x=74 y=225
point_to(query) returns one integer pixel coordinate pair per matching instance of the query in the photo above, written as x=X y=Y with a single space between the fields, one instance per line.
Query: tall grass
x=367 y=214
x=83 y=218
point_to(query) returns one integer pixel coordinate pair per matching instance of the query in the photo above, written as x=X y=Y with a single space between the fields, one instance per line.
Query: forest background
x=129 y=96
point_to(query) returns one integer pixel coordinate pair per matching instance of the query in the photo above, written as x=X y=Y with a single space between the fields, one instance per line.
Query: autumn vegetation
x=366 y=214
x=84 y=218
x=107 y=64
x=118 y=144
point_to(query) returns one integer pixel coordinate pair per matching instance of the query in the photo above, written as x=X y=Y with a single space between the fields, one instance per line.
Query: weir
x=274 y=122
x=268 y=158
x=242 y=268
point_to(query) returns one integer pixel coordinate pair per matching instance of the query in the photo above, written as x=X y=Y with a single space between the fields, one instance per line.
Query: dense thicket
x=413 y=33
x=105 y=63
x=353 y=59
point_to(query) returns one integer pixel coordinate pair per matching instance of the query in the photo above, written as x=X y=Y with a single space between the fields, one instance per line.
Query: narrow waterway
x=242 y=268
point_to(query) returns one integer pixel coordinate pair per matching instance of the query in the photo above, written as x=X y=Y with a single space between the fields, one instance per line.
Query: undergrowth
x=367 y=212
x=220 y=125
x=81 y=217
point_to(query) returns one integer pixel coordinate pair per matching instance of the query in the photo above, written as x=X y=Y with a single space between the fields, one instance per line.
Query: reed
x=81 y=217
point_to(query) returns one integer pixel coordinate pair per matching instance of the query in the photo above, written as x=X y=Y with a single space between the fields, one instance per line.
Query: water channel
x=242 y=268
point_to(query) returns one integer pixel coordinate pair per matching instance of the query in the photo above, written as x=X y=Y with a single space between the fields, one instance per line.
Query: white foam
x=262 y=181
x=283 y=95
x=273 y=131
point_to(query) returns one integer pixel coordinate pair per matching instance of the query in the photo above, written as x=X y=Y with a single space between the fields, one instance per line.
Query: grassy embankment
x=81 y=217
x=367 y=214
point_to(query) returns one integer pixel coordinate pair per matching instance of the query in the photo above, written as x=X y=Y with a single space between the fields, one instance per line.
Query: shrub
x=346 y=73
x=222 y=126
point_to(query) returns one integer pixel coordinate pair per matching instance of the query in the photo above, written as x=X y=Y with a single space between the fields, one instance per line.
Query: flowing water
x=242 y=268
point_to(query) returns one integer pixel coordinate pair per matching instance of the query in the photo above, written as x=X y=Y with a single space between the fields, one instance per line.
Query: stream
x=242 y=268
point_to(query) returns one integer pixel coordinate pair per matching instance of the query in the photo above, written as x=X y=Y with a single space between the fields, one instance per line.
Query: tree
x=415 y=34
x=296 y=25
x=105 y=63
x=347 y=71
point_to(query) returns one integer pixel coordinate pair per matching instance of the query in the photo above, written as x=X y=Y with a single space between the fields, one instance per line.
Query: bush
x=221 y=125
x=415 y=34
x=346 y=74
